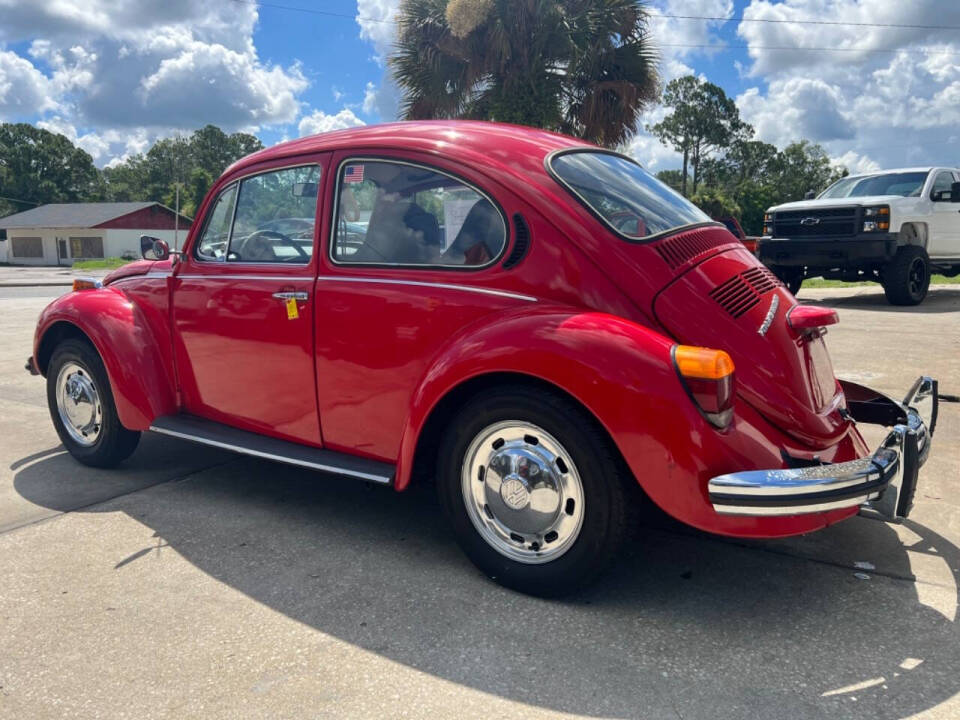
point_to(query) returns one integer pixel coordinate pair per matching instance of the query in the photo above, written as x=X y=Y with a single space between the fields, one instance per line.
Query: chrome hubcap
x=78 y=404
x=522 y=492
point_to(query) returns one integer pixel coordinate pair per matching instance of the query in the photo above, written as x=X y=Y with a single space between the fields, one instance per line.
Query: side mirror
x=955 y=192
x=152 y=248
x=809 y=195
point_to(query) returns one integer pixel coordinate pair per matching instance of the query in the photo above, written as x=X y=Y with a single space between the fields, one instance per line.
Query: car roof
x=467 y=140
x=928 y=168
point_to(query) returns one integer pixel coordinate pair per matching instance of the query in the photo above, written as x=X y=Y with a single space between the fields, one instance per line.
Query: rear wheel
x=906 y=278
x=82 y=408
x=791 y=277
x=533 y=489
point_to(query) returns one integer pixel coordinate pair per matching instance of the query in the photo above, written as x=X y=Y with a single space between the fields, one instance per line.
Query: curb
x=35 y=284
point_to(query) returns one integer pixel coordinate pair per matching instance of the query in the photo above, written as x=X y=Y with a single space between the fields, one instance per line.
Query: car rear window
x=628 y=198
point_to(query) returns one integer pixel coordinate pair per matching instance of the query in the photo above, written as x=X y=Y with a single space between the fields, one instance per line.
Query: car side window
x=275 y=217
x=395 y=213
x=941 y=187
x=216 y=234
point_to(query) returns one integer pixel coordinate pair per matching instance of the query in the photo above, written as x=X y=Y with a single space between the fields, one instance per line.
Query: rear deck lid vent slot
x=744 y=290
x=682 y=248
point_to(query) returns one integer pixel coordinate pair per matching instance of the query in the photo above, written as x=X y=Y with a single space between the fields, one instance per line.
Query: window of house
x=395 y=213
x=86 y=247
x=26 y=247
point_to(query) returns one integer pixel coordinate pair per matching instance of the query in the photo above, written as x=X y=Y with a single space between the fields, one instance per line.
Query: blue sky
x=878 y=85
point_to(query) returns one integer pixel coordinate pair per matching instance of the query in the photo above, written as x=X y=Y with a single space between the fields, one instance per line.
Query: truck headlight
x=879 y=218
x=767 y=224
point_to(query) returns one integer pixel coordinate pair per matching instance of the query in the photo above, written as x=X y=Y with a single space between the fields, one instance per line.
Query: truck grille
x=828 y=222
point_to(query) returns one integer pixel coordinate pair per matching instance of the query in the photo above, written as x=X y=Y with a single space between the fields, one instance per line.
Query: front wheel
x=534 y=490
x=906 y=278
x=82 y=408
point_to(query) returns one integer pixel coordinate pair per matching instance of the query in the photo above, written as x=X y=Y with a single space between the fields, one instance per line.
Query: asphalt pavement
x=195 y=583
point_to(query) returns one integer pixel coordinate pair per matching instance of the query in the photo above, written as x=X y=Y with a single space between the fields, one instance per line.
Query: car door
x=243 y=305
x=411 y=244
x=944 y=219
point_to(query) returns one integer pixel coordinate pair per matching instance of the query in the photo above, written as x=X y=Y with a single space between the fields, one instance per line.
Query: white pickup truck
x=895 y=227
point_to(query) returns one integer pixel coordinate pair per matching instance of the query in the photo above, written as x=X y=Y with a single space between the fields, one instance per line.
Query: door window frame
x=335 y=216
x=238 y=181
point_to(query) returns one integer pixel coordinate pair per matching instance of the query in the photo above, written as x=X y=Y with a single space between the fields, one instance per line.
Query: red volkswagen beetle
x=463 y=302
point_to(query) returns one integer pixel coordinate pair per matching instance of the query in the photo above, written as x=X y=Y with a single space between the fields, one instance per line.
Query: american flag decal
x=353 y=174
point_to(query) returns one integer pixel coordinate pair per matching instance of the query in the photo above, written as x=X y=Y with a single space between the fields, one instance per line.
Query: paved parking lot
x=194 y=583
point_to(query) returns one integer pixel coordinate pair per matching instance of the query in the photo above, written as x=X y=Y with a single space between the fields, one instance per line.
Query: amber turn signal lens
x=702 y=363
x=85 y=284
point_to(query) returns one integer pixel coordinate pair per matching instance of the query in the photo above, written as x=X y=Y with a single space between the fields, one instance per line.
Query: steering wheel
x=257 y=246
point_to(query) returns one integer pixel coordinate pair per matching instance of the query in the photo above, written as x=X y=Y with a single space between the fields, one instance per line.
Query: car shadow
x=685 y=624
x=942 y=299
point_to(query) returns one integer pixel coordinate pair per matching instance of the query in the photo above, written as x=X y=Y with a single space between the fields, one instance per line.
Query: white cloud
x=24 y=90
x=874 y=97
x=136 y=69
x=377 y=21
x=320 y=122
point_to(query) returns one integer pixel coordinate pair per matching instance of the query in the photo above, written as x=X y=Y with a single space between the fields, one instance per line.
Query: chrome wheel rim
x=78 y=404
x=522 y=492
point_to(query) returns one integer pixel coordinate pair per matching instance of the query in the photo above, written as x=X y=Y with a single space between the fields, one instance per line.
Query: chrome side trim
x=271 y=456
x=216 y=276
x=418 y=283
x=146 y=276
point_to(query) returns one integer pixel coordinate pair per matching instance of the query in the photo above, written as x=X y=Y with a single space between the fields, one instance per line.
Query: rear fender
x=619 y=371
x=142 y=384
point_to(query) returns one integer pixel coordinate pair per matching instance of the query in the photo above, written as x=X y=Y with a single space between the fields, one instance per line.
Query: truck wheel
x=81 y=405
x=534 y=490
x=906 y=278
x=791 y=277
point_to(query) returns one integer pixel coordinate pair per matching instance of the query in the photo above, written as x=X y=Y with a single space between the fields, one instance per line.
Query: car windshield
x=627 y=197
x=907 y=184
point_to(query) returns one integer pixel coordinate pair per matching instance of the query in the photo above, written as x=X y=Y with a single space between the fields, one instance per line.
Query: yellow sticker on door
x=292 y=313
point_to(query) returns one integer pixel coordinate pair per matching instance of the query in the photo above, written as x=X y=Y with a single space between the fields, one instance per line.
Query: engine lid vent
x=744 y=290
x=679 y=249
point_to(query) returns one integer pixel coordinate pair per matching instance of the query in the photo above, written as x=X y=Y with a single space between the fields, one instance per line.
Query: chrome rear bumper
x=887 y=479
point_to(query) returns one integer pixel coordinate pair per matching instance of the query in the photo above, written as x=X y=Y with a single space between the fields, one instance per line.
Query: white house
x=58 y=234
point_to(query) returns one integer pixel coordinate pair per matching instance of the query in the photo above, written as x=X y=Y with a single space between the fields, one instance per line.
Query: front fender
x=141 y=382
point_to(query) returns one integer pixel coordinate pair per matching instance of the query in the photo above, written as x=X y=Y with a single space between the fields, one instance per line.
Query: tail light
x=707 y=376
x=806 y=319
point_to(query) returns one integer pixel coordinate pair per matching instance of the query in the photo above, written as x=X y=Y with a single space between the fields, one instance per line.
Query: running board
x=218 y=435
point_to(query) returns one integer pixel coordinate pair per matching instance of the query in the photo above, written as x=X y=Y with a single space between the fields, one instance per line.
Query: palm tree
x=582 y=67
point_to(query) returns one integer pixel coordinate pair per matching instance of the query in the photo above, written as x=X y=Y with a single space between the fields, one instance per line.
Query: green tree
x=715 y=203
x=38 y=166
x=673 y=178
x=584 y=68
x=191 y=163
x=703 y=120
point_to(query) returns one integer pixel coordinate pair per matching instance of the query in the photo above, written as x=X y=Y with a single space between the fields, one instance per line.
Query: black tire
x=791 y=277
x=605 y=485
x=114 y=443
x=906 y=278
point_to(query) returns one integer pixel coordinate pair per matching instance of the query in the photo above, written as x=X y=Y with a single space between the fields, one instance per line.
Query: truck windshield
x=907 y=184
x=628 y=198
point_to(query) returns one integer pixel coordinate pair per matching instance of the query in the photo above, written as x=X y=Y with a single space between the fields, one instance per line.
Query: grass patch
x=110 y=263
x=813 y=283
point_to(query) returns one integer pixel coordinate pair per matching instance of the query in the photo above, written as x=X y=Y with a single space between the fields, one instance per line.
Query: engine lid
x=731 y=302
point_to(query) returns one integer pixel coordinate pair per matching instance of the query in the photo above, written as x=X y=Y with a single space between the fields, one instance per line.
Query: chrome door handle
x=298 y=295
